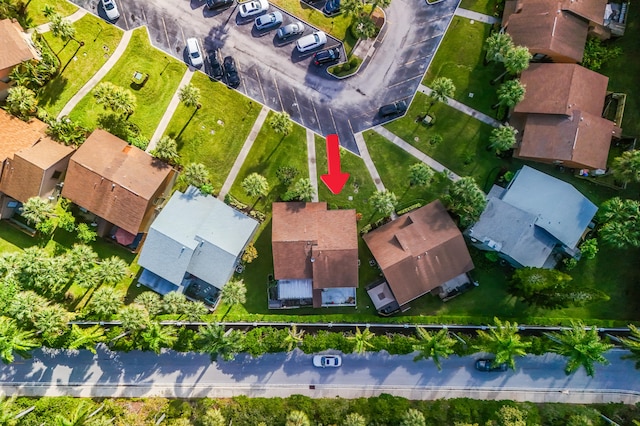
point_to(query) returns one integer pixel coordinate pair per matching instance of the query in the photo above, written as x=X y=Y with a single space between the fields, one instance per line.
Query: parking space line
x=144 y=16
x=124 y=15
x=264 y=98
x=333 y=119
x=295 y=98
x=317 y=119
x=275 y=82
x=422 y=58
x=405 y=80
x=184 y=39
x=166 y=34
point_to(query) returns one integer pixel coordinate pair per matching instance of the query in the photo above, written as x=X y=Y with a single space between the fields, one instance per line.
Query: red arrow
x=335 y=179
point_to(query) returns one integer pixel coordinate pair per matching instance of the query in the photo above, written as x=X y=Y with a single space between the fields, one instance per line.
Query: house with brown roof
x=33 y=165
x=560 y=118
x=16 y=49
x=117 y=186
x=554 y=30
x=315 y=255
x=418 y=252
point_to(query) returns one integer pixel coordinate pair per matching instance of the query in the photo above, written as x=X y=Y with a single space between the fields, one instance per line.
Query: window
x=56 y=174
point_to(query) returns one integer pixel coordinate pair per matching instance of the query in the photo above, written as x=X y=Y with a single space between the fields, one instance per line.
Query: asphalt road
x=171 y=374
x=278 y=76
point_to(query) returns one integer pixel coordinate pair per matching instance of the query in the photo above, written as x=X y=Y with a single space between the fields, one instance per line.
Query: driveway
x=278 y=76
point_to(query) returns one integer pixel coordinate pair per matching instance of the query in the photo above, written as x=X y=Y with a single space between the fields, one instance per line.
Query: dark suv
x=395 y=108
x=326 y=56
x=215 y=69
x=331 y=7
x=231 y=72
x=219 y=4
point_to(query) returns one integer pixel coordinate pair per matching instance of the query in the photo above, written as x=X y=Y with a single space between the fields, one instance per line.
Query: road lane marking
x=264 y=98
x=275 y=82
x=166 y=34
x=317 y=118
x=298 y=106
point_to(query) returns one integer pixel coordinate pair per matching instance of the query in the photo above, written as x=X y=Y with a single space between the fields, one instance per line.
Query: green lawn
x=164 y=72
x=463 y=149
x=35 y=7
x=215 y=133
x=337 y=26
x=78 y=64
x=460 y=58
x=488 y=7
x=624 y=70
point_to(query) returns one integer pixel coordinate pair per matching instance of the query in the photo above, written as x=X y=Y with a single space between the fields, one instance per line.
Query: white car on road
x=323 y=361
x=111 y=9
x=311 y=41
x=253 y=7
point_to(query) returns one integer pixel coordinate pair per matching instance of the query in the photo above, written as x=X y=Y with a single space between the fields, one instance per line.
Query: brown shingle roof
x=16 y=134
x=582 y=139
x=311 y=242
x=22 y=176
x=15 y=49
x=562 y=88
x=559 y=33
x=419 y=251
x=114 y=180
x=591 y=10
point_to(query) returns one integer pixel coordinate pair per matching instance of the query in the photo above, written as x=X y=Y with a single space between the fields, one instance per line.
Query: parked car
x=489 y=365
x=395 y=108
x=323 y=361
x=270 y=20
x=215 y=66
x=311 y=41
x=326 y=56
x=253 y=7
x=195 y=52
x=111 y=9
x=231 y=72
x=331 y=7
x=290 y=30
x=219 y=4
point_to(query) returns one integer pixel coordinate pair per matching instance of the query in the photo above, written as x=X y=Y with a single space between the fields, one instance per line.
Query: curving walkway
x=117 y=53
x=78 y=14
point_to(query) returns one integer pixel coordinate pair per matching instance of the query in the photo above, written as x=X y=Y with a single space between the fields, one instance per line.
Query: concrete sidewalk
x=248 y=143
x=117 y=53
x=311 y=160
x=414 y=151
x=470 y=14
x=465 y=109
x=45 y=28
x=171 y=109
x=364 y=153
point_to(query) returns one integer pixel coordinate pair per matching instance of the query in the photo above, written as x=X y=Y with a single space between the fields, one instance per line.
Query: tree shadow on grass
x=53 y=90
x=193 y=114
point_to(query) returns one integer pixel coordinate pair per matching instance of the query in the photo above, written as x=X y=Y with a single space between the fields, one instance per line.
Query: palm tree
x=620 y=223
x=384 y=202
x=497 y=45
x=420 y=174
x=15 y=341
x=105 y=302
x=189 y=95
x=510 y=93
x=79 y=417
x=36 y=210
x=626 y=168
x=502 y=138
x=361 y=340
x=80 y=258
x=25 y=305
x=255 y=185
x=352 y=8
x=297 y=418
x=166 y=150
x=213 y=417
x=517 y=60
x=134 y=318
x=233 y=293
x=433 y=345
x=302 y=190
x=61 y=27
x=195 y=174
x=173 y=302
x=52 y=322
x=112 y=270
x=364 y=27
x=115 y=98
x=382 y=4
x=7 y=413
x=151 y=302
x=503 y=341
x=86 y=338
x=582 y=347
x=466 y=199
x=21 y=102
x=632 y=344
x=354 y=419
x=194 y=311
x=412 y=417
x=442 y=88
x=293 y=338
x=280 y=122
x=215 y=341
x=156 y=337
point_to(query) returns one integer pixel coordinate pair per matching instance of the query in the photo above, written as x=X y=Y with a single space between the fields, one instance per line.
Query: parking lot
x=279 y=76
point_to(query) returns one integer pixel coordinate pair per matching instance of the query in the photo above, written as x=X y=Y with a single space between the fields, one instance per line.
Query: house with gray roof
x=194 y=245
x=534 y=222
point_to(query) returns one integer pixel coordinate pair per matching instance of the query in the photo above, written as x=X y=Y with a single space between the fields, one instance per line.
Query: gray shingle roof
x=198 y=234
